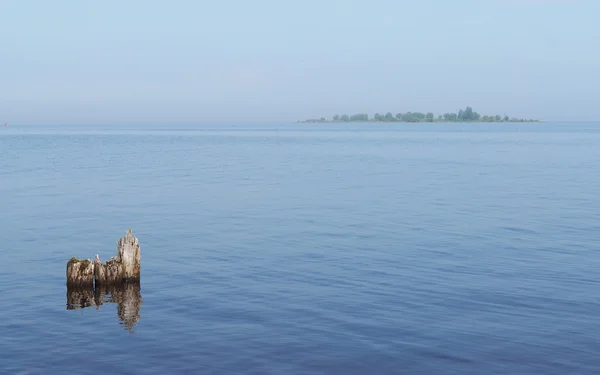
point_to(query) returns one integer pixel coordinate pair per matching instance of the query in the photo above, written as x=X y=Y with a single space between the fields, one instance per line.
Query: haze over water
x=306 y=249
x=266 y=61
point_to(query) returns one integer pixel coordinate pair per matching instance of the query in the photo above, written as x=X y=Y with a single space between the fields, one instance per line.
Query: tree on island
x=360 y=117
x=466 y=115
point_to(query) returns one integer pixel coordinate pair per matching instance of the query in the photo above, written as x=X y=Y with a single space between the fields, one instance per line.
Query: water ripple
x=305 y=250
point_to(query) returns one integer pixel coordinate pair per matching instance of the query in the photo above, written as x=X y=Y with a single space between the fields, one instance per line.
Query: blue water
x=306 y=249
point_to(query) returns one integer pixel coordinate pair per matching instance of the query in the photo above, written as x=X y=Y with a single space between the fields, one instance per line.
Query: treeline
x=466 y=115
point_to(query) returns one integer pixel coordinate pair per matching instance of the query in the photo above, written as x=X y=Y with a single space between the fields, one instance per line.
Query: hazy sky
x=180 y=62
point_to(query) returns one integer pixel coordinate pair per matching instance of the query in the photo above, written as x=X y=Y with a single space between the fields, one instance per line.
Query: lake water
x=305 y=249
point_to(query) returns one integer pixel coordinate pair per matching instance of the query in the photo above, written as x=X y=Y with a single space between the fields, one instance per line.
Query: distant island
x=466 y=115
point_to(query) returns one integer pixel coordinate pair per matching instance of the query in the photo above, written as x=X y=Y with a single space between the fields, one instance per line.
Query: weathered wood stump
x=124 y=267
x=80 y=272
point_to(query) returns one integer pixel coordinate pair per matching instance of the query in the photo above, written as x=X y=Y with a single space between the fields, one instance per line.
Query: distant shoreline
x=318 y=121
x=466 y=115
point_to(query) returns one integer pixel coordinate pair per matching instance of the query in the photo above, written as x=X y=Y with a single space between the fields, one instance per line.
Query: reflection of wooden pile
x=123 y=268
x=127 y=296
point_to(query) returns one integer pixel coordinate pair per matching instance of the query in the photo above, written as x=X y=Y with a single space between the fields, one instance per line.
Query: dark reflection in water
x=127 y=297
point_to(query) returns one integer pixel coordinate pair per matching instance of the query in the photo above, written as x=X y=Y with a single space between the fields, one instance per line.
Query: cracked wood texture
x=124 y=267
x=80 y=272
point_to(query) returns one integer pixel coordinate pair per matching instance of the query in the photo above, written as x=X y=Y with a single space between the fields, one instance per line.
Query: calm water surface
x=305 y=249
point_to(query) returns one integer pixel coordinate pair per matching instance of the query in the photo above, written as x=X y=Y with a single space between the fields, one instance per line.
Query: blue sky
x=194 y=62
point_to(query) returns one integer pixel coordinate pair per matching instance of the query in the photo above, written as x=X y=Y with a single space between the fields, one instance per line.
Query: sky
x=273 y=61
